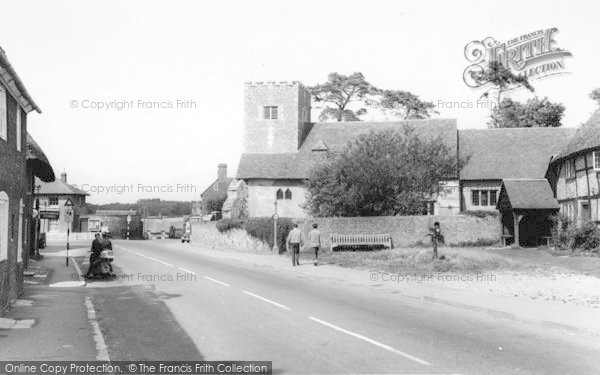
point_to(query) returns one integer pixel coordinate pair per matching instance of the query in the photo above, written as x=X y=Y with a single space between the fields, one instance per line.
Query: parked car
x=185 y=237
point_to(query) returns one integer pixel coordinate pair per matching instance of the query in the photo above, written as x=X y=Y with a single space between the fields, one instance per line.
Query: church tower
x=276 y=116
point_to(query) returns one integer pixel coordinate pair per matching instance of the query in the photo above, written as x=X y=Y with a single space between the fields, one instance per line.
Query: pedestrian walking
x=314 y=241
x=295 y=240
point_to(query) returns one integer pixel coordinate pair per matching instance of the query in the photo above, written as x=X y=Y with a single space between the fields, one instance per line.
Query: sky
x=170 y=74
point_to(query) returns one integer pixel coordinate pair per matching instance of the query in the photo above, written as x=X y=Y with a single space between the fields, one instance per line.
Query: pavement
x=61 y=316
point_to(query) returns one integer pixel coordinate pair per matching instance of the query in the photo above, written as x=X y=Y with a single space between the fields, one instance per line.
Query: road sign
x=128 y=219
x=69 y=203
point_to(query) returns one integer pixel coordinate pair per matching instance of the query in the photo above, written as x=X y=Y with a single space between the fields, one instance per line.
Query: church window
x=279 y=194
x=288 y=194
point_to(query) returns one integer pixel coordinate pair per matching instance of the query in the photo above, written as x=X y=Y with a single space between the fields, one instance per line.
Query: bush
x=482 y=213
x=262 y=229
x=225 y=225
x=569 y=236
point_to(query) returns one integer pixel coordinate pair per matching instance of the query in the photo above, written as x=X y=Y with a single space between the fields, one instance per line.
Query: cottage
x=60 y=206
x=575 y=173
x=216 y=192
x=20 y=160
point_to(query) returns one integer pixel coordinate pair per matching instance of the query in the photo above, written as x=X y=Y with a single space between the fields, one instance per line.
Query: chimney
x=222 y=172
x=63 y=177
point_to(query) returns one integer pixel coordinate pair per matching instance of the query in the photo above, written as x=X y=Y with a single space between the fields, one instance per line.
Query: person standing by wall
x=314 y=241
x=294 y=241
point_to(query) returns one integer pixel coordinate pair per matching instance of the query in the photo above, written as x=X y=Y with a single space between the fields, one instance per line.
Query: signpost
x=128 y=221
x=69 y=220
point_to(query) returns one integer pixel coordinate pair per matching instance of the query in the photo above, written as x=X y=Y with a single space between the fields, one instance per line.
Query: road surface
x=227 y=310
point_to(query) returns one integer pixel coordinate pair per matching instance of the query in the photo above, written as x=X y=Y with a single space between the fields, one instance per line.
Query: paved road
x=234 y=311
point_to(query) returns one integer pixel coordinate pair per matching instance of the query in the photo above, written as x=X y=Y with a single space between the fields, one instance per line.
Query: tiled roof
x=586 y=138
x=529 y=194
x=57 y=187
x=334 y=136
x=496 y=154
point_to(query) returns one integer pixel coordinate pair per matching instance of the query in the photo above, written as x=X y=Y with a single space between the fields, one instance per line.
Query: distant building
x=60 y=206
x=217 y=191
x=116 y=223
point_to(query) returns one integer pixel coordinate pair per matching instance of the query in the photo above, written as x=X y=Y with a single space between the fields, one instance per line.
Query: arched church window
x=288 y=194
x=279 y=194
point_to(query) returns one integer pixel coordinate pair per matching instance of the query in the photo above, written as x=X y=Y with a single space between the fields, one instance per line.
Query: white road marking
x=371 y=341
x=100 y=344
x=76 y=268
x=147 y=257
x=267 y=300
x=215 y=281
x=185 y=270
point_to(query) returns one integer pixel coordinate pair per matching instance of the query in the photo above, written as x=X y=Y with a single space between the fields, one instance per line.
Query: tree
x=385 y=172
x=502 y=79
x=340 y=91
x=534 y=113
x=595 y=95
x=405 y=105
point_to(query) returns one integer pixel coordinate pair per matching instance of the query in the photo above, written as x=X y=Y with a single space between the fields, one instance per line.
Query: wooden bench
x=338 y=240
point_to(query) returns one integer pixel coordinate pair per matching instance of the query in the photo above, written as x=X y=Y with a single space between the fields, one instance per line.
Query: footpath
x=61 y=316
x=551 y=314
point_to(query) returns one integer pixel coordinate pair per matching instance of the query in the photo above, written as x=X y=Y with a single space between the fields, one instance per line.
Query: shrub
x=262 y=229
x=570 y=236
x=225 y=225
x=482 y=213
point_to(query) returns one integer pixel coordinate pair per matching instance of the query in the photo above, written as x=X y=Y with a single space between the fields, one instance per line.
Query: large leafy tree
x=385 y=172
x=533 y=113
x=405 y=105
x=501 y=80
x=339 y=92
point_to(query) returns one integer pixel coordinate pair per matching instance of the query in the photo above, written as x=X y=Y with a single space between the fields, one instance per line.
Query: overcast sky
x=69 y=52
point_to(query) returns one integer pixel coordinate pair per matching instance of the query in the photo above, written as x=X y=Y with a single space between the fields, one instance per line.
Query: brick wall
x=409 y=230
x=13 y=181
x=405 y=230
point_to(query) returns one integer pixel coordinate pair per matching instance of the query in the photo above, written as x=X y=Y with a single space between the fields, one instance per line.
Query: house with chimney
x=281 y=145
x=21 y=160
x=61 y=206
x=216 y=193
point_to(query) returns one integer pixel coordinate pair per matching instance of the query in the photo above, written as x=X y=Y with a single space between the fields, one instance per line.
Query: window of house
x=3 y=113
x=570 y=168
x=19 y=129
x=483 y=197
x=3 y=225
x=279 y=194
x=270 y=113
x=493 y=197
x=475 y=197
x=596 y=156
x=53 y=200
x=288 y=194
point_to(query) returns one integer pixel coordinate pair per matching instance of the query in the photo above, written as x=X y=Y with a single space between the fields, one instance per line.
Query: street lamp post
x=275 y=217
x=36 y=224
